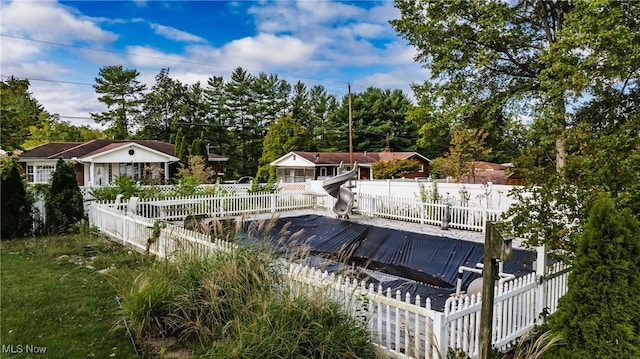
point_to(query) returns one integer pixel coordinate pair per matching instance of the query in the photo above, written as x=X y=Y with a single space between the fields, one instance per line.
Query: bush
x=64 y=203
x=235 y=305
x=16 y=204
x=296 y=326
x=396 y=168
x=599 y=317
x=124 y=186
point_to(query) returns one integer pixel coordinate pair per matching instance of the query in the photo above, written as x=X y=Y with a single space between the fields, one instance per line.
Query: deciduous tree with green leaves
x=487 y=57
x=396 y=168
x=284 y=135
x=18 y=111
x=467 y=147
x=571 y=67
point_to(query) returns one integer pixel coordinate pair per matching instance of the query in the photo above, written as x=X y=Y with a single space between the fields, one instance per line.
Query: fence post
x=541 y=293
x=485 y=215
x=440 y=339
x=273 y=203
x=447 y=216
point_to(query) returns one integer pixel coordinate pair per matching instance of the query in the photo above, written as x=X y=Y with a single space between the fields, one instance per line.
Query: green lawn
x=49 y=302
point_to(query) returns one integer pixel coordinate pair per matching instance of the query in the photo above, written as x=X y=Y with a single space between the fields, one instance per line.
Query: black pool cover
x=429 y=259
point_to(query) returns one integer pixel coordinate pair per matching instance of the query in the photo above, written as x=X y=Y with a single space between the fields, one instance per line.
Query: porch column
x=166 y=172
x=92 y=179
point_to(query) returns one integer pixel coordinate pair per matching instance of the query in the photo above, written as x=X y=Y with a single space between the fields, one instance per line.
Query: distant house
x=99 y=162
x=300 y=166
x=486 y=172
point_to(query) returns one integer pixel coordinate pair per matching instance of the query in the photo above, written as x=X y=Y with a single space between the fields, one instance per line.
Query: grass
x=234 y=304
x=52 y=297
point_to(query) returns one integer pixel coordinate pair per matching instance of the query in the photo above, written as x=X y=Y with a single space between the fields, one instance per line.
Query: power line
x=161 y=58
x=47 y=80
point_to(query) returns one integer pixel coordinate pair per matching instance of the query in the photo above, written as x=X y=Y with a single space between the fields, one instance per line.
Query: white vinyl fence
x=414 y=210
x=402 y=209
x=401 y=325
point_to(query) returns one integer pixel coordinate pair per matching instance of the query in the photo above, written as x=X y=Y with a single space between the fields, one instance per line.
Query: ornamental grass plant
x=235 y=304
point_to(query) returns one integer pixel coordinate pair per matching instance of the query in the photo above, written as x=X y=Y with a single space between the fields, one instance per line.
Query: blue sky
x=62 y=45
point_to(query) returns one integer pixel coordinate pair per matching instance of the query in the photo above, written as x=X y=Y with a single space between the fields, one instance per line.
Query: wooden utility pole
x=489 y=274
x=350 y=130
x=497 y=245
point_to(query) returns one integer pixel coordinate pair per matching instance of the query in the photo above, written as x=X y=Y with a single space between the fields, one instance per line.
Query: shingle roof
x=363 y=158
x=68 y=150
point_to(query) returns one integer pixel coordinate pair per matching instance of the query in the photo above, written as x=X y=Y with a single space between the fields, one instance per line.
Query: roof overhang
x=126 y=146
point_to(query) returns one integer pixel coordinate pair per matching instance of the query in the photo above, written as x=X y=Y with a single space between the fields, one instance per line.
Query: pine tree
x=180 y=148
x=64 y=202
x=599 y=317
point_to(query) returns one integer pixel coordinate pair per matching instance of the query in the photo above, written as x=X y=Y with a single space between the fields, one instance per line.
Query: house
x=485 y=172
x=99 y=162
x=300 y=166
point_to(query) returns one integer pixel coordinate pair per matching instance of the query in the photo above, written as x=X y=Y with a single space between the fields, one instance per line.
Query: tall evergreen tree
x=180 y=147
x=163 y=108
x=64 y=202
x=321 y=106
x=237 y=104
x=599 y=316
x=121 y=92
x=378 y=118
x=16 y=205
x=300 y=106
x=216 y=119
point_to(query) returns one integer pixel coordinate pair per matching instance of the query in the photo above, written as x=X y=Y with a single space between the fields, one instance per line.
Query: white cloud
x=267 y=51
x=368 y=30
x=68 y=100
x=50 y=21
x=146 y=56
x=175 y=34
x=401 y=78
x=311 y=41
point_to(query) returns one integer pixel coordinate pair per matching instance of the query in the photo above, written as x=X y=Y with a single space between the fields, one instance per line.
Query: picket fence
x=401 y=325
x=402 y=209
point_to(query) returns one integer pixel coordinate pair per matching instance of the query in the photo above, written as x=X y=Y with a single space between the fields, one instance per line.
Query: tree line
x=234 y=115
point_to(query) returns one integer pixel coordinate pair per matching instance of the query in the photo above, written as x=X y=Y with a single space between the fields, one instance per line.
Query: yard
x=55 y=303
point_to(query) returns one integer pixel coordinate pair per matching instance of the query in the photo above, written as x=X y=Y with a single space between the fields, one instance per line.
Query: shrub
x=235 y=305
x=64 y=203
x=124 y=186
x=16 y=204
x=599 y=317
x=296 y=326
x=396 y=168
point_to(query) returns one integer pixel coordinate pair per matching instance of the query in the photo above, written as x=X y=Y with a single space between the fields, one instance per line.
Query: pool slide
x=344 y=203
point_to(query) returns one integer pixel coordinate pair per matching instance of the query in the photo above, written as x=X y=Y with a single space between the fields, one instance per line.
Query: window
x=39 y=173
x=421 y=168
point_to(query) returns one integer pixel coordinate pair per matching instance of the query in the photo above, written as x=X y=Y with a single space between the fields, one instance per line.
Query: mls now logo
x=19 y=349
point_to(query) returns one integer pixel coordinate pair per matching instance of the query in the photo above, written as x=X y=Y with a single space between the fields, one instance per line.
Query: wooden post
x=350 y=130
x=489 y=274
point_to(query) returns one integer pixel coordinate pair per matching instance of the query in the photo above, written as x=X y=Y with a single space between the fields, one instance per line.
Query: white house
x=298 y=166
x=99 y=162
